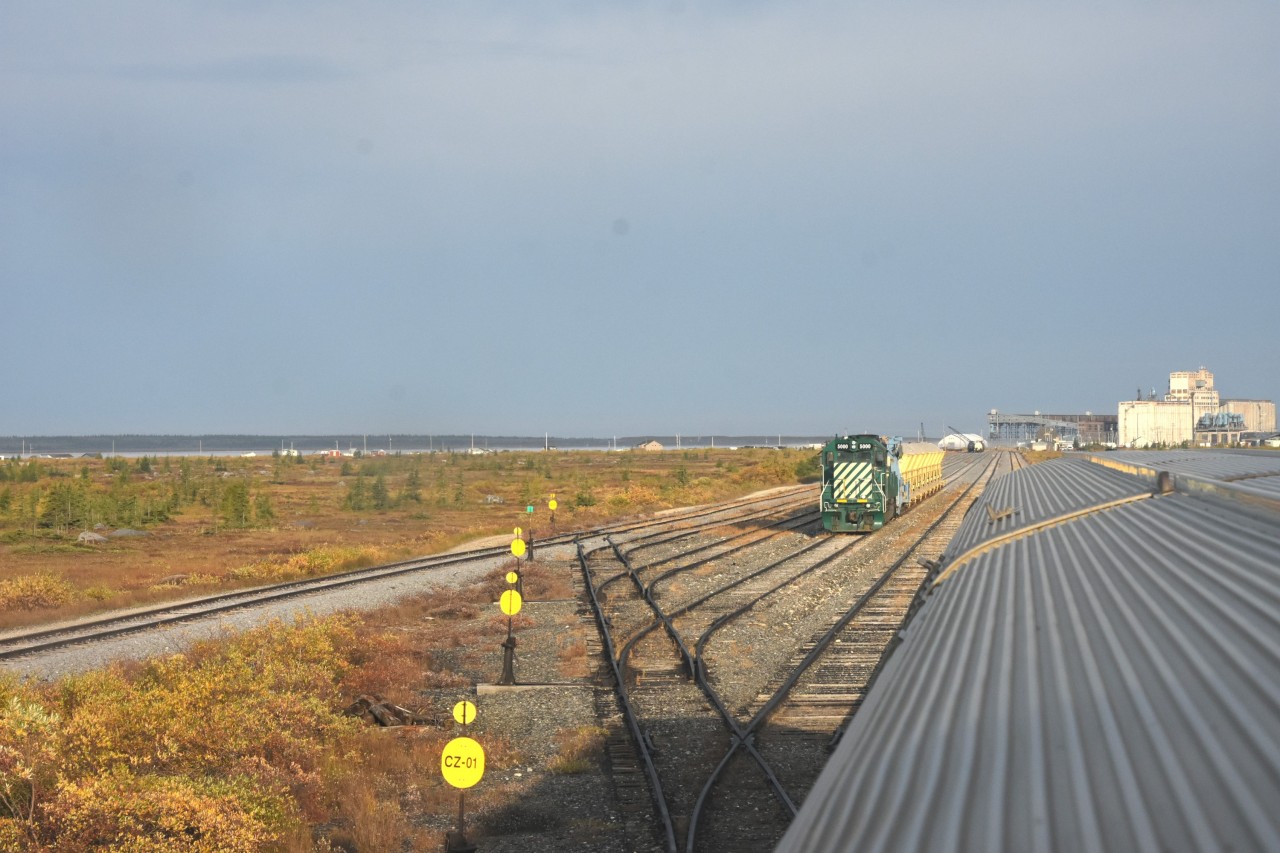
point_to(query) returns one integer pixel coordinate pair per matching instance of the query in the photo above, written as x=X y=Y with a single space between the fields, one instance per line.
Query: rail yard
x=730 y=647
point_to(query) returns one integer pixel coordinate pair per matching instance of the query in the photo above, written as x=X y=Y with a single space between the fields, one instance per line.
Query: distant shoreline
x=266 y=445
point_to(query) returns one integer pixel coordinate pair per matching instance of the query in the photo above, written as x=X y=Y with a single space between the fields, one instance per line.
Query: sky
x=593 y=219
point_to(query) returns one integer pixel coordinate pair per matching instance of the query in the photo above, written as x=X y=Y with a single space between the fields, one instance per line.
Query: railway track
x=24 y=643
x=683 y=688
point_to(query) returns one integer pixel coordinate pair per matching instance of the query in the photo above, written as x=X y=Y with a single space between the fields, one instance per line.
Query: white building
x=962 y=441
x=1259 y=415
x=1144 y=423
x=1196 y=388
x=1172 y=421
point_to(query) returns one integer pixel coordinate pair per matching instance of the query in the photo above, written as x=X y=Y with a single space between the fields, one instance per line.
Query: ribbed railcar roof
x=1109 y=683
x=1039 y=492
x=1217 y=465
x=1266 y=486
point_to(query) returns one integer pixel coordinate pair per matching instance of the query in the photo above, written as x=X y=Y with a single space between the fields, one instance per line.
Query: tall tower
x=1196 y=388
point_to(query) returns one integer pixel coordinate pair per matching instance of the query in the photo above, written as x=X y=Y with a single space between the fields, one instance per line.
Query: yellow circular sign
x=510 y=602
x=517 y=547
x=464 y=712
x=517 y=533
x=462 y=762
x=551 y=504
x=512 y=577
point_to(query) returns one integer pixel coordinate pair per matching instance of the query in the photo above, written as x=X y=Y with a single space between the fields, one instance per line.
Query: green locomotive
x=868 y=479
x=862 y=487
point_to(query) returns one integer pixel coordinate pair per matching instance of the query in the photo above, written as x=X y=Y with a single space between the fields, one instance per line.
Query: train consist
x=868 y=479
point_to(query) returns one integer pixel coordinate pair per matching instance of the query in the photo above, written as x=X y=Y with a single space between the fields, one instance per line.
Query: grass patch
x=578 y=750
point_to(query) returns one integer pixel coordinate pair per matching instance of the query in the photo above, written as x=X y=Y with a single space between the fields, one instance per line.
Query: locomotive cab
x=860 y=484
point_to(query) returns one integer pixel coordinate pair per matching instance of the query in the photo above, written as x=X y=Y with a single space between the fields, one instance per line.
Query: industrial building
x=1192 y=414
x=1006 y=428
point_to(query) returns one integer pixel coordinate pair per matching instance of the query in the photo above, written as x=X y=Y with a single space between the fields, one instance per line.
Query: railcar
x=869 y=479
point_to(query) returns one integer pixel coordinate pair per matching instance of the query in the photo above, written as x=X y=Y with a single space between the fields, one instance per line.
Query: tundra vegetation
x=241 y=744
x=171 y=526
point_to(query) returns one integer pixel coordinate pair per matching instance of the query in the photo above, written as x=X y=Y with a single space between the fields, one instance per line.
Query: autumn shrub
x=209 y=750
x=324 y=560
x=29 y=592
x=455 y=606
x=384 y=662
x=99 y=592
x=642 y=496
x=27 y=773
x=162 y=814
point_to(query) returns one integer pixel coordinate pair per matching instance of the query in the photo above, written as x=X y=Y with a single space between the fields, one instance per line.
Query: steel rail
x=748 y=731
x=25 y=643
x=786 y=504
x=628 y=710
x=779 y=522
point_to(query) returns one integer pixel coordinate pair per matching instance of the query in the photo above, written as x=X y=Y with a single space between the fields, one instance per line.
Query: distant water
x=265 y=445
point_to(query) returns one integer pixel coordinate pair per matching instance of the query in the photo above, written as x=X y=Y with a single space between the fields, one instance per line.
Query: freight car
x=868 y=479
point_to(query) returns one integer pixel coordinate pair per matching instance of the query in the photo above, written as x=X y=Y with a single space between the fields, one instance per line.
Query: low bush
x=29 y=592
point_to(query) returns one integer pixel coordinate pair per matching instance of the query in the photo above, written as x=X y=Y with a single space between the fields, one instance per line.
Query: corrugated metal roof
x=1217 y=465
x=1108 y=683
x=1040 y=492
x=1265 y=486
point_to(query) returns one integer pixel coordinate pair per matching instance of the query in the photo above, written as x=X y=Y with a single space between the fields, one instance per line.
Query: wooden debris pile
x=375 y=709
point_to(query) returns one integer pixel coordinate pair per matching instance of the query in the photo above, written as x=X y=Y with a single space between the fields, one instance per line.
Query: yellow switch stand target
x=464 y=712
x=462 y=762
x=510 y=602
x=517 y=547
x=551 y=504
x=512 y=577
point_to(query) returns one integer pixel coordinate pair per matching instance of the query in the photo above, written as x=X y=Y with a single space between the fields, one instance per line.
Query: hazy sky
x=592 y=218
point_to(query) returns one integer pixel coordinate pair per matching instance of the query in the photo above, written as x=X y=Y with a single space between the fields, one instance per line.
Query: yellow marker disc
x=512 y=577
x=551 y=504
x=464 y=712
x=462 y=762
x=517 y=533
x=517 y=547
x=510 y=602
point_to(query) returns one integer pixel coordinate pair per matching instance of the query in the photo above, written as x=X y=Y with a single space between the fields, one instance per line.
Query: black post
x=455 y=841
x=508 y=657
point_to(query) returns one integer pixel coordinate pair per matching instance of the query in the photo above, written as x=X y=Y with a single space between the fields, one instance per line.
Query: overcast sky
x=623 y=218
